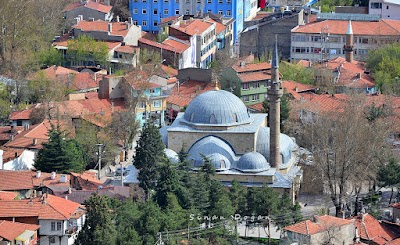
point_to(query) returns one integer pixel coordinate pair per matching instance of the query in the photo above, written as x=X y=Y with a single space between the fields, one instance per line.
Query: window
x=246 y=98
x=135 y=11
x=155 y=11
x=300 y=38
x=220 y=12
x=53 y=226
x=228 y=1
x=135 y=22
x=177 y=11
x=154 y=23
x=59 y=225
x=157 y=103
x=187 y=11
x=255 y=97
x=220 y=1
x=209 y=1
x=144 y=1
x=256 y=84
x=209 y=11
x=152 y=91
x=198 y=1
x=19 y=122
x=300 y=50
x=245 y=86
x=144 y=22
x=363 y=40
x=235 y=117
x=315 y=38
x=52 y=239
x=155 y=1
x=166 y=11
x=376 y=5
x=142 y=104
x=228 y=13
x=187 y=1
x=144 y=11
x=387 y=7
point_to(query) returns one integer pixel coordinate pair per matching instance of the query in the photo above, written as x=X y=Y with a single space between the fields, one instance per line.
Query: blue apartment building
x=148 y=13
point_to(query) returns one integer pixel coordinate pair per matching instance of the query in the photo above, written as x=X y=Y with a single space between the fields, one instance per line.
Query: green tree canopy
x=296 y=73
x=389 y=175
x=85 y=49
x=60 y=154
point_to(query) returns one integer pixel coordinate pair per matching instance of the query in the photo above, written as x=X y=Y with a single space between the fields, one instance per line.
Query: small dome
x=219 y=161
x=217 y=107
x=207 y=146
x=172 y=155
x=252 y=162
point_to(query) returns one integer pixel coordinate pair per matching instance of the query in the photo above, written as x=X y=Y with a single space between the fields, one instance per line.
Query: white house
x=387 y=9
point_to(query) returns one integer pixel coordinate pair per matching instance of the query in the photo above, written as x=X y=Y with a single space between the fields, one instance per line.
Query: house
x=248 y=81
x=60 y=220
x=88 y=9
x=29 y=183
x=321 y=230
x=372 y=231
x=149 y=14
x=386 y=9
x=325 y=39
x=18 y=233
x=8 y=132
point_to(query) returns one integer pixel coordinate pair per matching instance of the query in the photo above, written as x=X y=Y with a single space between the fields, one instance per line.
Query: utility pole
x=99 y=163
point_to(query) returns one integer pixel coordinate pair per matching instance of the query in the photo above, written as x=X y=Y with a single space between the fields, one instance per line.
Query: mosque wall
x=244 y=178
x=241 y=142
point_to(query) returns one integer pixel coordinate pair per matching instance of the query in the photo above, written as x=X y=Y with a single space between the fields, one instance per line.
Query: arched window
x=192 y=117
x=212 y=119
x=223 y=166
x=235 y=117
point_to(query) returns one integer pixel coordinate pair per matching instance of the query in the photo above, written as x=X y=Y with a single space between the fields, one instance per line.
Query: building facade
x=148 y=13
x=325 y=40
x=387 y=9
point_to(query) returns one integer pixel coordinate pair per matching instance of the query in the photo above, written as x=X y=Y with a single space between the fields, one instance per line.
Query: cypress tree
x=59 y=154
x=149 y=155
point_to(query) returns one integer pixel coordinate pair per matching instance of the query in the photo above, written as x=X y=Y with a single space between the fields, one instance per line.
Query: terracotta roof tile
x=86 y=181
x=171 y=72
x=7 y=131
x=309 y=227
x=193 y=27
x=15 y=180
x=53 y=207
x=11 y=230
x=158 y=45
x=252 y=67
x=128 y=49
x=257 y=107
x=90 y=4
x=187 y=92
x=394 y=242
x=118 y=28
x=168 y=19
x=371 y=229
x=180 y=46
x=363 y=28
x=295 y=88
x=254 y=76
x=8 y=195
x=219 y=27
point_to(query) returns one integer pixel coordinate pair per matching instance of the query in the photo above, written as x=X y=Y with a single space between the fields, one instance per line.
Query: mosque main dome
x=217 y=107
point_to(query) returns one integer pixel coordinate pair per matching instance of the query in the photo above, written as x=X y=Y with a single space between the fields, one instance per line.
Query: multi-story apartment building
x=325 y=40
x=387 y=9
x=148 y=13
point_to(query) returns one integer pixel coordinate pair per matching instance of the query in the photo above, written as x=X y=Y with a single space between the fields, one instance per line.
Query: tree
x=238 y=195
x=389 y=175
x=347 y=149
x=127 y=221
x=59 y=154
x=149 y=155
x=223 y=60
x=99 y=227
x=121 y=8
x=85 y=49
x=296 y=72
x=168 y=183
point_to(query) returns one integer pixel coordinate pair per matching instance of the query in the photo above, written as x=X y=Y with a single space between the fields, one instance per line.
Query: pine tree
x=149 y=155
x=167 y=183
x=99 y=226
x=59 y=154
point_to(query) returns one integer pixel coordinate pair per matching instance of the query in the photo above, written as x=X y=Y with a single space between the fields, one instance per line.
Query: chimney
x=34 y=142
x=77 y=20
x=26 y=127
x=348 y=47
x=16 y=154
x=274 y=95
x=130 y=20
x=109 y=27
x=356 y=236
x=53 y=175
x=112 y=106
x=91 y=19
x=127 y=25
x=117 y=18
x=12 y=137
x=296 y=89
x=307 y=15
x=242 y=63
x=359 y=75
x=63 y=178
x=309 y=63
x=1 y=159
x=44 y=199
x=12 y=129
x=38 y=173
x=80 y=17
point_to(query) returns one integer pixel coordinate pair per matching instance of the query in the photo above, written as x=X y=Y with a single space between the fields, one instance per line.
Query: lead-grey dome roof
x=207 y=146
x=171 y=155
x=219 y=161
x=218 y=107
x=252 y=162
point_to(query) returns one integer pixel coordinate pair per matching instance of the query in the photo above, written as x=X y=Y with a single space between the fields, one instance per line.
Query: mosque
x=217 y=126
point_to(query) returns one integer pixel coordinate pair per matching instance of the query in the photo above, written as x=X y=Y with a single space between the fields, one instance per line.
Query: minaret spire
x=274 y=96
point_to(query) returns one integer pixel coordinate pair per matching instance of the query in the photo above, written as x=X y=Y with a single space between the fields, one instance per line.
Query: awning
x=25 y=236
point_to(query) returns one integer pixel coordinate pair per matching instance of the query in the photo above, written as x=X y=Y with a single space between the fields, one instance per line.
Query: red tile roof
x=362 y=28
x=318 y=103
x=171 y=72
x=6 y=132
x=257 y=107
x=219 y=27
x=118 y=28
x=254 y=76
x=90 y=4
x=15 y=180
x=295 y=88
x=193 y=27
x=11 y=230
x=187 y=92
x=394 y=242
x=8 y=195
x=179 y=46
x=22 y=114
x=309 y=227
x=50 y=207
x=370 y=229
x=86 y=181
x=395 y=205
x=252 y=67
x=168 y=19
x=128 y=49
x=158 y=45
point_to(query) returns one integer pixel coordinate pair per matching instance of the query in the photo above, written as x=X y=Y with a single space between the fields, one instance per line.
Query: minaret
x=348 y=47
x=274 y=96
